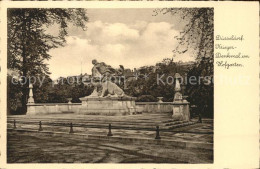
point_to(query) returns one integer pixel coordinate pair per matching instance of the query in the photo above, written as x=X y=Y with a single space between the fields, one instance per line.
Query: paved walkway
x=36 y=148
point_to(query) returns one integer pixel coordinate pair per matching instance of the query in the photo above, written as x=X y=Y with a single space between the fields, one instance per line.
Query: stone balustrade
x=141 y=107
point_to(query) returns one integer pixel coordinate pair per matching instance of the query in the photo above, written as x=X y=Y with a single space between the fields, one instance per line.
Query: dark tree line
x=159 y=82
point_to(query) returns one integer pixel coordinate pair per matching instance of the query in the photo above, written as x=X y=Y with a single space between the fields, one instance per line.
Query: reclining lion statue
x=112 y=89
x=101 y=72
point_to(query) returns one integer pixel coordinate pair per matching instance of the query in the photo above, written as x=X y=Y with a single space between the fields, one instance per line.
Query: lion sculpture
x=103 y=71
x=112 y=89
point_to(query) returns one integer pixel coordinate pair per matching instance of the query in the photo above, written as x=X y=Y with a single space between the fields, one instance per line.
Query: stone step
x=129 y=122
x=69 y=116
x=101 y=124
x=168 y=120
x=132 y=119
x=145 y=121
x=172 y=123
x=181 y=125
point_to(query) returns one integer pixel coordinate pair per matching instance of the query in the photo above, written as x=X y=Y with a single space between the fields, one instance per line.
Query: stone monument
x=30 y=101
x=107 y=98
x=181 y=105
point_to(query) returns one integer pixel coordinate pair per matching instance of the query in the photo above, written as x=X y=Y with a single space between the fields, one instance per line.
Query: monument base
x=181 y=111
x=108 y=105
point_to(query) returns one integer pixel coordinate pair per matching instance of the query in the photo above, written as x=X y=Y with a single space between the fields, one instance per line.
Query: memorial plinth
x=108 y=105
x=180 y=111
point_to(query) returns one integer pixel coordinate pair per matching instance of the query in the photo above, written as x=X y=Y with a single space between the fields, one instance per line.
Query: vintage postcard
x=89 y=84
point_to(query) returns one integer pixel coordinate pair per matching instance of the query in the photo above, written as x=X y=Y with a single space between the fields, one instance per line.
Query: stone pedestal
x=108 y=105
x=181 y=111
x=31 y=109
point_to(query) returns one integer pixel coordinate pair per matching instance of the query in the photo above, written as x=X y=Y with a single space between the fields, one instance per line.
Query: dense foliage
x=157 y=81
x=29 y=43
x=198 y=35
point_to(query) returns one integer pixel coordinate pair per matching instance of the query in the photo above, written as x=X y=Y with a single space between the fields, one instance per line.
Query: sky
x=128 y=37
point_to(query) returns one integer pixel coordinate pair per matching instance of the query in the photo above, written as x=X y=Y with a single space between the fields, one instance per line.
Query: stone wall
x=52 y=108
x=180 y=110
x=154 y=107
x=144 y=107
x=45 y=108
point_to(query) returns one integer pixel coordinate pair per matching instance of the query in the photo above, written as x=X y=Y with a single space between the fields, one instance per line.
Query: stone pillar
x=177 y=111
x=186 y=111
x=30 y=99
x=30 y=102
x=177 y=85
x=69 y=99
x=177 y=89
x=159 y=104
x=56 y=108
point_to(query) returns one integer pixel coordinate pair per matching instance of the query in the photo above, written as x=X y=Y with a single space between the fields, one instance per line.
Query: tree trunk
x=25 y=85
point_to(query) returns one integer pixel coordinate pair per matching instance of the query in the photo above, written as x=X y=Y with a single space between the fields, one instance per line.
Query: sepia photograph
x=110 y=85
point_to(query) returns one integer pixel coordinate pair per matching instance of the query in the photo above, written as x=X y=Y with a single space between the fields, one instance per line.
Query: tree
x=29 y=43
x=147 y=87
x=197 y=35
x=64 y=89
x=201 y=93
x=14 y=93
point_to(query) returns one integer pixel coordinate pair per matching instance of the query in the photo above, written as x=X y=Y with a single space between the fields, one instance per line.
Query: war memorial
x=114 y=103
x=108 y=114
x=112 y=114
